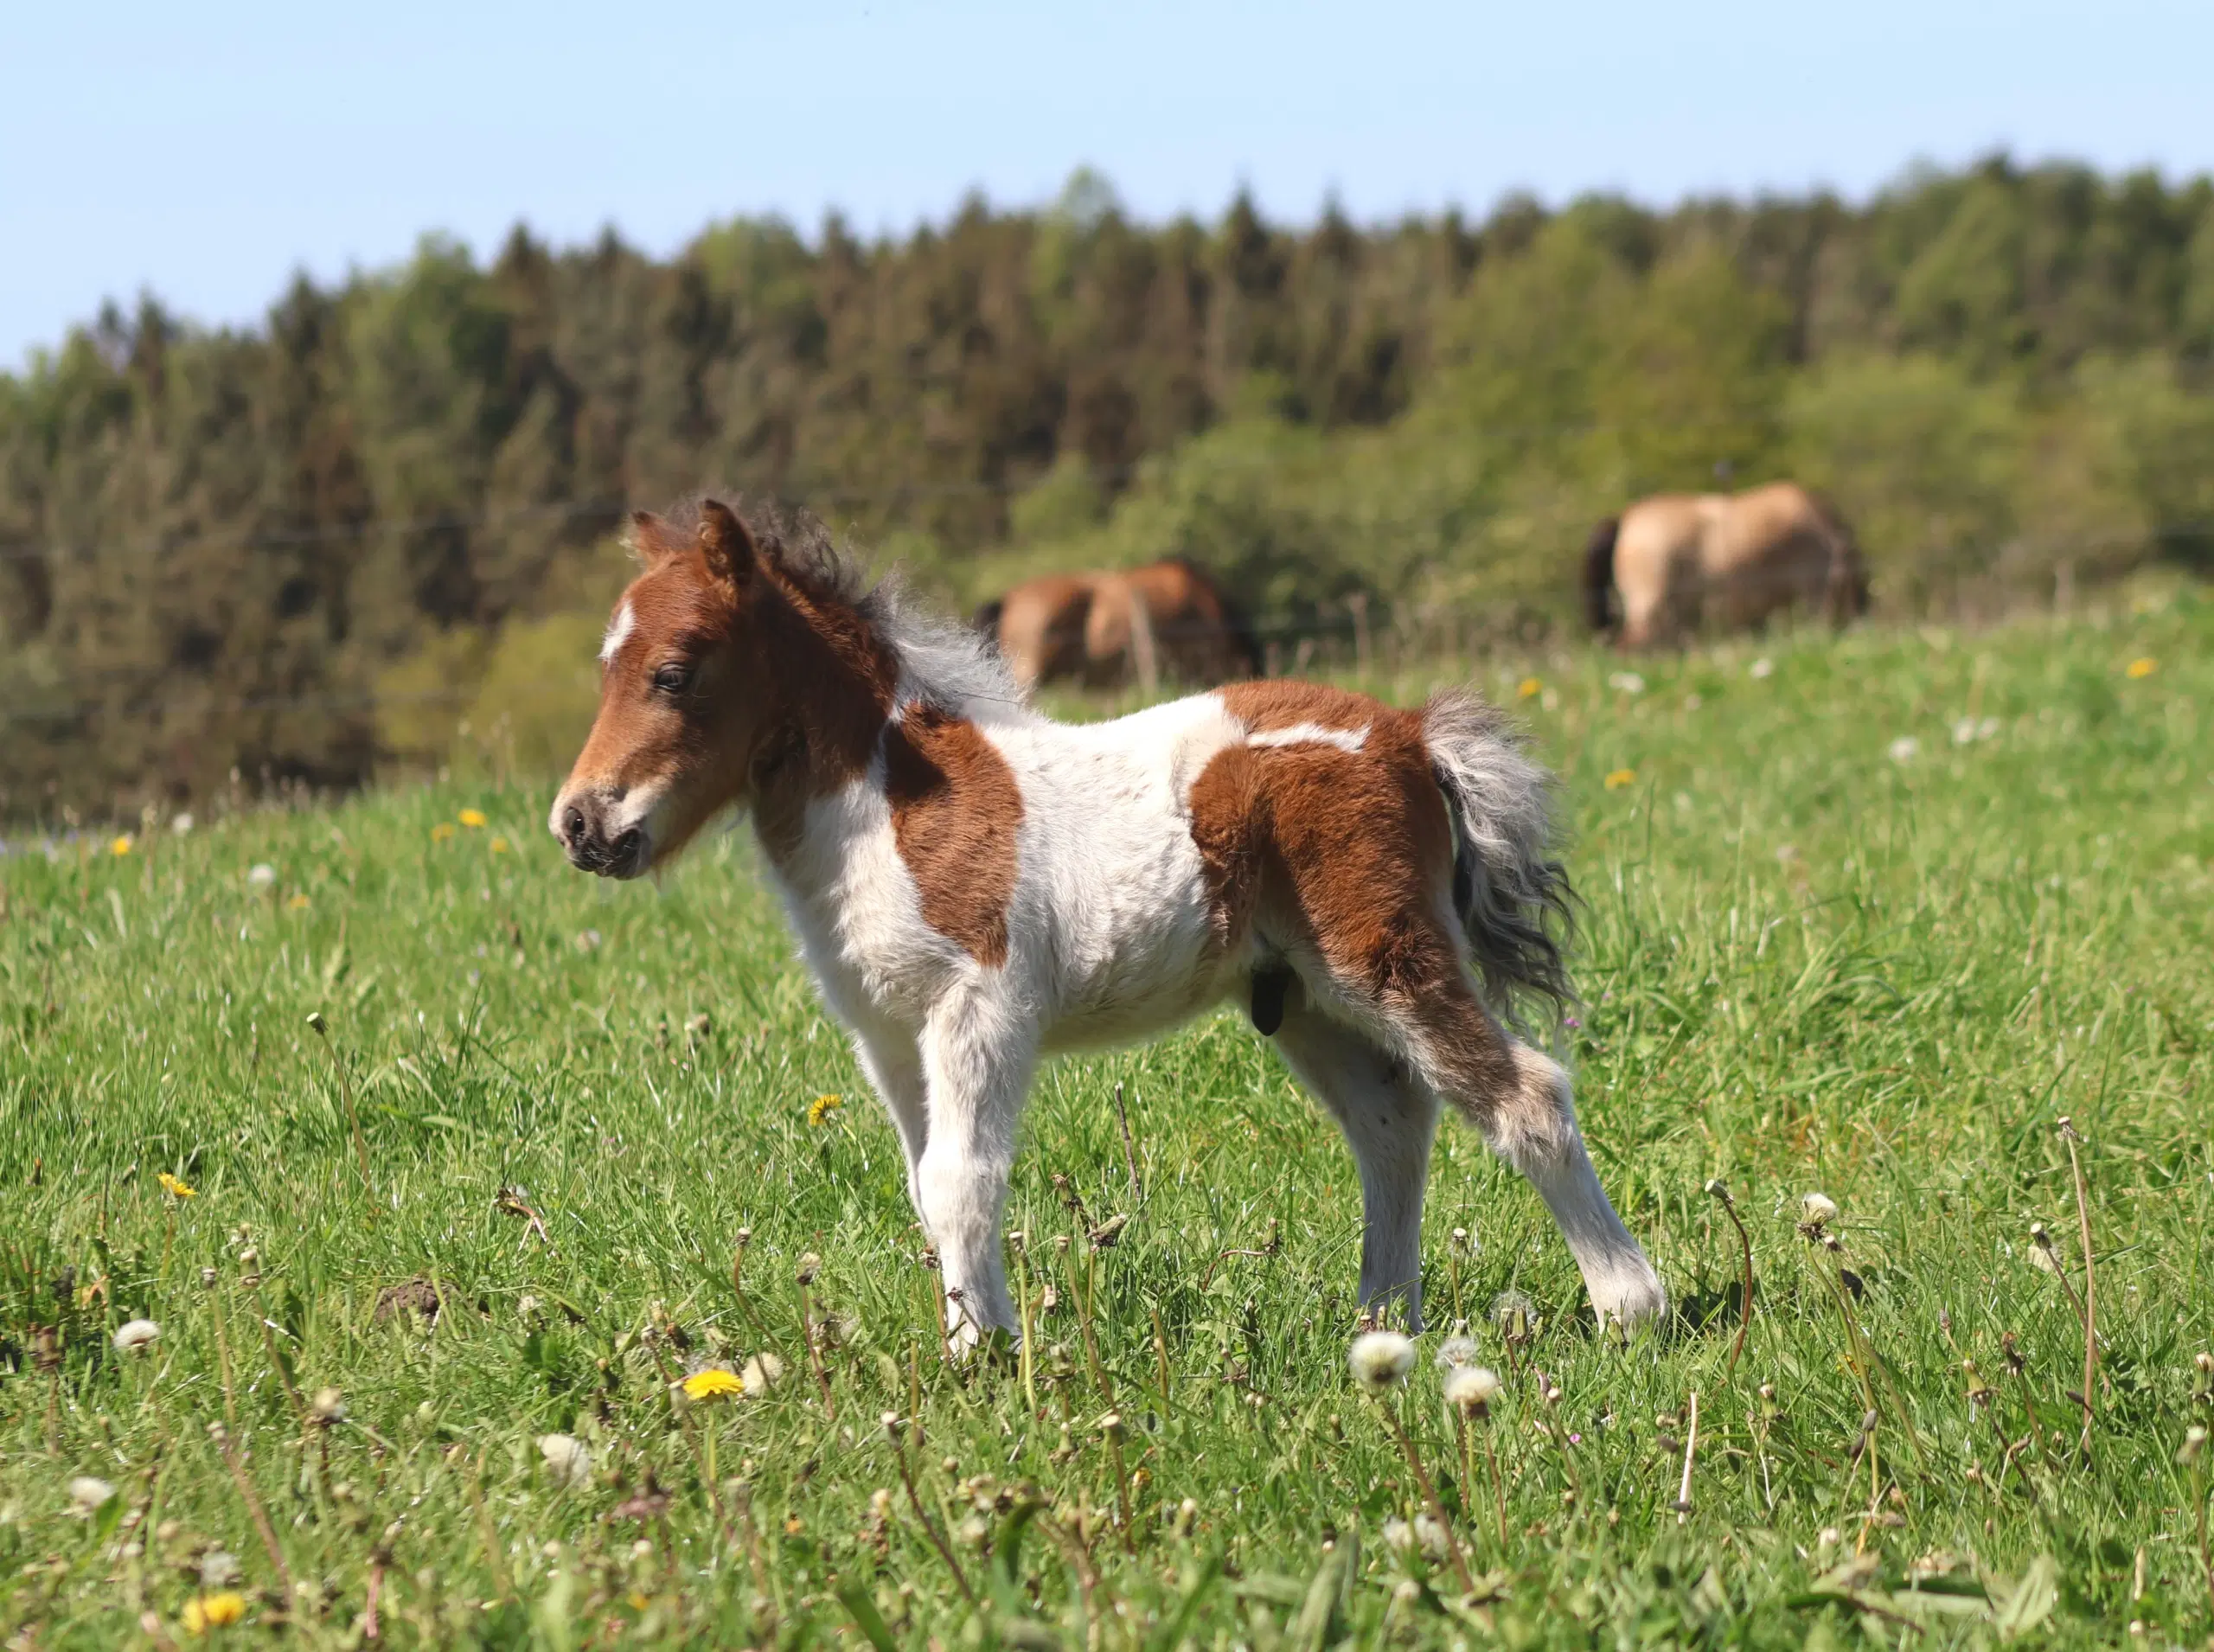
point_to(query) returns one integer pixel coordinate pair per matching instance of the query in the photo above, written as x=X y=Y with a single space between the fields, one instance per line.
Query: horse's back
x=1041 y=625
x=1773 y=545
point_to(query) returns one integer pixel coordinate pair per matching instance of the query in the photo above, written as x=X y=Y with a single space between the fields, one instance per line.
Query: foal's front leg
x=977 y=1055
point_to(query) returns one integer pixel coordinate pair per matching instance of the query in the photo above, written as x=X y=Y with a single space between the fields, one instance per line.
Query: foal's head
x=699 y=672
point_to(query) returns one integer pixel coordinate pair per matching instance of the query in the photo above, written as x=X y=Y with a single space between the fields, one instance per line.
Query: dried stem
x=1130 y=1153
x=2068 y=1134
x=1430 y=1494
x=253 y=1499
x=915 y=1502
x=1691 y=1449
x=353 y=1119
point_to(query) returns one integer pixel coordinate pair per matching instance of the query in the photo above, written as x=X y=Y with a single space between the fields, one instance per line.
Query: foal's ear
x=652 y=540
x=726 y=543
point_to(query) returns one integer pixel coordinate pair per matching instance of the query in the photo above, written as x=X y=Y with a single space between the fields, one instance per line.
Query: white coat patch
x=619 y=630
x=1346 y=739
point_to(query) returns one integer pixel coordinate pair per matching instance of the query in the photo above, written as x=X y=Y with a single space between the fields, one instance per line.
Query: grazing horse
x=1676 y=559
x=1106 y=628
x=974 y=885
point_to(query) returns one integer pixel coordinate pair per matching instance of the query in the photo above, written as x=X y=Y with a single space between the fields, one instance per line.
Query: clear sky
x=206 y=151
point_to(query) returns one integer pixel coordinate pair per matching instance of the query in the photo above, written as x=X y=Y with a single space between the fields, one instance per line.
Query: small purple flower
x=1576 y=1439
x=1570 y=1021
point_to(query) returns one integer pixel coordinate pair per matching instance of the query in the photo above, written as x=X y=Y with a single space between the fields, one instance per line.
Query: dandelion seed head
x=762 y=1372
x=135 y=1336
x=1471 y=1387
x=328 y=1406
x=567 y=1458
x=87 y=1493
x=261 y=875
x=1515 y=1313
x=219 y=1569
x=1380 y=1360
x=1456 y=1352
x=1761 y=669
x=1817 y=1209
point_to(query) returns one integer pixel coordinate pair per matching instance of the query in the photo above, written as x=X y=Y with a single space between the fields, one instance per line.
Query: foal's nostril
x=625 y=846
x=573 y=824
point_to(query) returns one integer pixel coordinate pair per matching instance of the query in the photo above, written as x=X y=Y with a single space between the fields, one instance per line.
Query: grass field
x=1868 y=918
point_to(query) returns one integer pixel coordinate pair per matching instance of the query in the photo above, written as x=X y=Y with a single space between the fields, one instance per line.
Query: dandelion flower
x=136 y=1336
x=1471 y=1387
x=1456 y=1352
x=567 y=1458
x=1380 y=1359
x=88 y=1494
x=217 y=1610
x=1528 y=688
x=1817 y=1209
x=714 y=1383
x=121 y=846
x=297 y=903
x=175 y=1186
x=1620 y=777
x=499 y=846
x=2143 y=666
x=819 y=1109
x=442 y=831
x=472 y=818
x=261 y=875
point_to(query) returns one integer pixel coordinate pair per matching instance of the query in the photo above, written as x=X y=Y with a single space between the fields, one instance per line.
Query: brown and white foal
x=974 y=885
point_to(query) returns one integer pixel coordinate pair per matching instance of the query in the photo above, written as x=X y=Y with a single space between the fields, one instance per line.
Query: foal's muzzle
x=585 y=824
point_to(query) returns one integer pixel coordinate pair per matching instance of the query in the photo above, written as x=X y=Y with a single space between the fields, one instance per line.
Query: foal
x=974 y=885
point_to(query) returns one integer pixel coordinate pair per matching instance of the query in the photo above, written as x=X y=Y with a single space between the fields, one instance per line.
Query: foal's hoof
x=1631 y=1298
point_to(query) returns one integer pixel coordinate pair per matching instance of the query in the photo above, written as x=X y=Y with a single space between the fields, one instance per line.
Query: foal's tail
x=1510 y=891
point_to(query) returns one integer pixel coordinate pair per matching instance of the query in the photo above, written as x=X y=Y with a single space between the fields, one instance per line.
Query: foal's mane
x=942 y=663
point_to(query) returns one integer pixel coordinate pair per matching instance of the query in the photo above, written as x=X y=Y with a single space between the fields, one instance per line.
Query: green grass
x=1808 y=964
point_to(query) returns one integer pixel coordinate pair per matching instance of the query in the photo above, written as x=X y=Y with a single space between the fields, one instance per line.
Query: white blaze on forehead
x=617 y=629
x=1346 y=739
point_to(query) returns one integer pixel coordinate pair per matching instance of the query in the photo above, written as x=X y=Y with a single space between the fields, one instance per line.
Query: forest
x=336 y=544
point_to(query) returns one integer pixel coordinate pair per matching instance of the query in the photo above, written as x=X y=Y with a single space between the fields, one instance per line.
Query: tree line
x=302 y=549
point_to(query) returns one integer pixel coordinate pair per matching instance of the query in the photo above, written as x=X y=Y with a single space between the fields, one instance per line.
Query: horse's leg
x=1389 y=1117
x=894 y=1065
x=1521 y=1100
x=977 y=1052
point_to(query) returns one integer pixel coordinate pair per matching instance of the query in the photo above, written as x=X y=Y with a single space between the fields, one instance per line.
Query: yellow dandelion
x=1621 y=778
x=442 y=831
x=472 y=818
x=217 y=1610
x=122 y=845
x=499 y=846
x=1528 y=688
x=297 y=903
x=175 y=1186
x=819 y=1109
x=2144 y=666
x=714 y=1383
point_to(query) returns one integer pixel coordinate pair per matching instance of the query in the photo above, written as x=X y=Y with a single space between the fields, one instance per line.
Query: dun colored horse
x=974 y=885
x=1677 y=560
x=1167 y=618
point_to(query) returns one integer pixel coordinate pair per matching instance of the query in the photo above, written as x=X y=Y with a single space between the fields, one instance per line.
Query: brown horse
x=1167 y=618
x=1676 y=560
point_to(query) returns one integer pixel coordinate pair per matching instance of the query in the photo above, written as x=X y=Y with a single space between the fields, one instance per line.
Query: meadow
x=1865 y=918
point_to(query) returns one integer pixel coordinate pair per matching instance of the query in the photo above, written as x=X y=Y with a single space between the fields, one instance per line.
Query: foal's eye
x=671 y=679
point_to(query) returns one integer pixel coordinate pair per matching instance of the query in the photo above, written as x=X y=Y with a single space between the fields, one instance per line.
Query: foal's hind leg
x=1389 y=1117
x=1521 y=1101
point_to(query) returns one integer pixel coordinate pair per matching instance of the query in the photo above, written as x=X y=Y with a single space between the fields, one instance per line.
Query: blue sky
x=206 y=151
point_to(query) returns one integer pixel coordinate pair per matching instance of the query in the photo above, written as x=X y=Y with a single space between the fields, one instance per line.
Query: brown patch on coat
x=956 y=810
x=1341 y=858
x=1283 y=703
